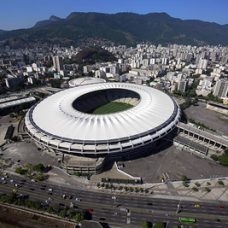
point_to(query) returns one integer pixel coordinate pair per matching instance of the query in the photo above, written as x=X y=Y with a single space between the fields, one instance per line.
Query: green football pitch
x=112 y=107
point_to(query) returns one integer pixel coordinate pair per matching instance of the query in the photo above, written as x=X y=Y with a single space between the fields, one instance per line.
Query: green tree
x=223 y=159
x=220 y=182
x=56 y=83
x=184 y=178
x=21 y=170
x=39 y=167
x=78 y=217
x=214 y=157
x=145 y=224
x=195 y=189
x=159 y=225
x=62 y=213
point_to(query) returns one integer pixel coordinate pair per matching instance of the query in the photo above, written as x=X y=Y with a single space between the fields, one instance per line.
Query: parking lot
x=173 y=163
x=27 y=152
x=212 y=119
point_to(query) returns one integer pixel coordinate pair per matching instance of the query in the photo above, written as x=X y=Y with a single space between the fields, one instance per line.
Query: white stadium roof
x=56 y=120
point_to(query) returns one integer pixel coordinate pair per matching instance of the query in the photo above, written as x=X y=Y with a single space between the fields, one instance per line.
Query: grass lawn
x=112 y=107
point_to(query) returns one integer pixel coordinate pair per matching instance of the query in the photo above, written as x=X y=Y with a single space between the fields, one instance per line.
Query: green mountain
x=122 y=28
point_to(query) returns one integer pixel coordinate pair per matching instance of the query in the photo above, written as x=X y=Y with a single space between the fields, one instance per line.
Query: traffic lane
x=133 y=201
x=104 y=213
x=174 y=219
x=108 y=214
x=129 y=203
x=98 y=212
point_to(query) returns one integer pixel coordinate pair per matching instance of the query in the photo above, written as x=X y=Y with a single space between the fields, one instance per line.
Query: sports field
x=112 y=107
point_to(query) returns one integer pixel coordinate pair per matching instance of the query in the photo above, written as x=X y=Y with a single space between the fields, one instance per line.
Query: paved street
x=111 y=209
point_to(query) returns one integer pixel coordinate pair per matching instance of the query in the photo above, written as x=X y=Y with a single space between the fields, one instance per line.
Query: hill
x=91 y=55
x=123 y=28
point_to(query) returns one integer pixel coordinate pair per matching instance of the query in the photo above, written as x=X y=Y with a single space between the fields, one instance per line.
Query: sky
x=15 y=14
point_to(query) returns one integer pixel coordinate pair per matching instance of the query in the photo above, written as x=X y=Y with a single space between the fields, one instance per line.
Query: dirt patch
x=11 y=217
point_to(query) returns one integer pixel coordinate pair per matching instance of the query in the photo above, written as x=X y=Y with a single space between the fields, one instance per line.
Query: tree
x=40 y=176
x=56 y=83
x=62 y=213
x=207 y=189
x=159 y=225
x=195 y=189
x=21 y=170
x=223 y=159
x=214 y=157
x=184 y=178
x=145 y=224
x=78 y=217
x=220 y=182
x=39 y=167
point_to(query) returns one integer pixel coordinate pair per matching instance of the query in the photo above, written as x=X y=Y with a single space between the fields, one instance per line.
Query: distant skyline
x=16 y=14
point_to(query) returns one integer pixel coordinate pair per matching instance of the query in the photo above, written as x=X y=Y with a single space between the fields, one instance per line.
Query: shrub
x=195 y=189
x=107 y=186
x=21 y=170
x=184 y=178
x=220 y=182
x=223 y=159
x=207 y=189
x=78 y=174
x=214 y=157
x=185 y=184
x=39 y=167
x=40 y=177
x=197 y=184
x=145 y=224
x=159 y=225
x=120 y=188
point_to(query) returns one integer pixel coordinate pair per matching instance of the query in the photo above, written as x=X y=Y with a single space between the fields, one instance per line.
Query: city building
x=221 y=88
x=182 y=86
x=57 y=63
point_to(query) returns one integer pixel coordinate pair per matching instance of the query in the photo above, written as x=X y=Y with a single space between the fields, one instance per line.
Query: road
x=110 y=208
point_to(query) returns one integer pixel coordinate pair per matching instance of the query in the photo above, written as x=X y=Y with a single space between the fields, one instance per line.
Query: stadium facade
x=65 y=123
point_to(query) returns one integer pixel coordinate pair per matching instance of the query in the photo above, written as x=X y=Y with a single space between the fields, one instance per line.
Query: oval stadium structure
x=102 y=119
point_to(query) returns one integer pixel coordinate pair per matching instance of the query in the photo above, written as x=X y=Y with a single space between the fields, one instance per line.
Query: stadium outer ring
x=56 y=125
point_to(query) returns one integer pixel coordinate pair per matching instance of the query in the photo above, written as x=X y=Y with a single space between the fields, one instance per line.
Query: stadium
x=105 y=119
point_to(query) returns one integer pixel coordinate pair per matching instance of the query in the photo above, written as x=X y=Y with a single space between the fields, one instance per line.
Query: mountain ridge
x=123 y=28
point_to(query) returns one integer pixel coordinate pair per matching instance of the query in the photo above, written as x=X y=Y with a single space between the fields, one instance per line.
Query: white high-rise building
x=202 y=64
x=221 y=88
x=57 y=63
x=182 y=85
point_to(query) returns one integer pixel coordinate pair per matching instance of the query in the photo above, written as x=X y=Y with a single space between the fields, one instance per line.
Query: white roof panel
x=57 y=116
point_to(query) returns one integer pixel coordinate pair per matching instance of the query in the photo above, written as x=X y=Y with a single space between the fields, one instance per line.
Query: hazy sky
x=25 y=13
